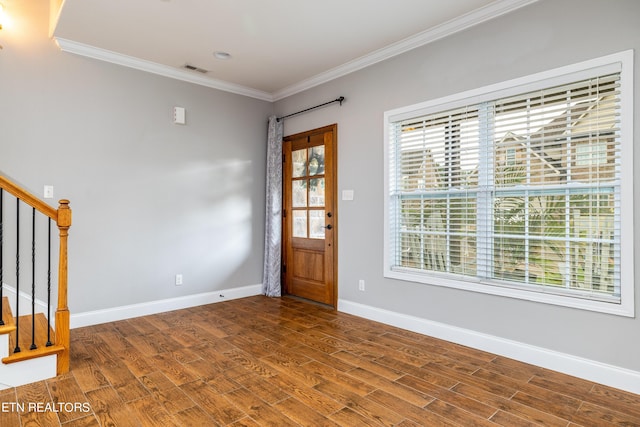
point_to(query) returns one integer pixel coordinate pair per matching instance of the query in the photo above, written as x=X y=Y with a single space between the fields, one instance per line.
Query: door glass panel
x=316 y=224
x=299 y=192
x=300 y=223
x=299 y=162
x=316 y=160
x=316 y=192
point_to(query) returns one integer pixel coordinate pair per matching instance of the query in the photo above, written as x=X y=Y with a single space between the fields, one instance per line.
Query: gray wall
x=541 y=36
x=150 y=199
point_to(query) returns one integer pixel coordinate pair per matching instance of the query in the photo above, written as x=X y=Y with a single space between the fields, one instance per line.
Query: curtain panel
x=271 y=285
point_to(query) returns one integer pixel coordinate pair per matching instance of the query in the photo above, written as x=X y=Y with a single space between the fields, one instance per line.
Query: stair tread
x=41 y=327
x=7 y=317
x=32 y=354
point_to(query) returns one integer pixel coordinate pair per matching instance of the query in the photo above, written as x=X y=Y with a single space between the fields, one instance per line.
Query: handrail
x=62 y=217
x=28 y=198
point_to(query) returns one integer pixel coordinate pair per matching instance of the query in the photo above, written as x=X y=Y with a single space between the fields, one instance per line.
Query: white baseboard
x=613 y=376
x=25 y=301
x=96 y=317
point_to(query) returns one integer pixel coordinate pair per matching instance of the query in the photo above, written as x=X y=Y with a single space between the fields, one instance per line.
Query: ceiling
x=277 y=47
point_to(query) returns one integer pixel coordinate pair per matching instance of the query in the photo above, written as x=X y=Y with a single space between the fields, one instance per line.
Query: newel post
x=62 y=313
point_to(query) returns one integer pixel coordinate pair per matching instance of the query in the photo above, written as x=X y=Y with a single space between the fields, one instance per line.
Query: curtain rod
x=340 y=100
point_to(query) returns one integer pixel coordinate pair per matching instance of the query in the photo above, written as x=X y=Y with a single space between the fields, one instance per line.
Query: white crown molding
x=591 y=370
x=478 y=16
x=159 y=69
x=493 y=10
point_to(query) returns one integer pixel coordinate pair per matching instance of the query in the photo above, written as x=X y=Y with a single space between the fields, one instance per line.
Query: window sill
x=582 y=302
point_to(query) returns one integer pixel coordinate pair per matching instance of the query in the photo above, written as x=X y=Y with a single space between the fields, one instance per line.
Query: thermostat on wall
x=178 y=115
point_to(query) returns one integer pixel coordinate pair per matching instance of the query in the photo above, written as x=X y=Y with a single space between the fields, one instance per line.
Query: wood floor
x=277 y=362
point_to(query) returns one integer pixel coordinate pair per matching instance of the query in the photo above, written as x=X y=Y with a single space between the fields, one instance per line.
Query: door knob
x=328 y=227
x=329 y=214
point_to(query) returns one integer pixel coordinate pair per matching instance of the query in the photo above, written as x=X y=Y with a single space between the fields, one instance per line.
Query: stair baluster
x=17 y=349
x=49 y=343
x=33 y=345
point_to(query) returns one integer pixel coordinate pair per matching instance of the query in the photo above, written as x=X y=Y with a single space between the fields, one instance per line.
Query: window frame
x=621 y=62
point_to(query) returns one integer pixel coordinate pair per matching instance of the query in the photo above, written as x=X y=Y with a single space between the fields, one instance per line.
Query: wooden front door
x=310 y=219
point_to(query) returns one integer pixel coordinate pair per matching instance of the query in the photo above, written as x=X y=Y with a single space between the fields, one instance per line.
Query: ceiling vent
x=194 y=68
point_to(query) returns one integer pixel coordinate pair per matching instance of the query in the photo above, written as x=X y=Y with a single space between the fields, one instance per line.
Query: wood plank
x=512 y=407
x=456 y=414
x=124 y=382
x=288 y=362
x=152 y=413
x=109 y=409
x=349 y=417
x=177 y=373
x=66 y=392
x=9 y=412
x=267 y=391
x=89 y=377
x=167 y=394
x=412 y=412
x=302 y=414
x=259 y=409
x=218 y=407
x=409 y=394
x=194 y=417
x=360 y=404
x=310 y=397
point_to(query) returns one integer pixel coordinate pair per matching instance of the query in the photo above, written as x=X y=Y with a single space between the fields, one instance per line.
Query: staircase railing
x=62 y=218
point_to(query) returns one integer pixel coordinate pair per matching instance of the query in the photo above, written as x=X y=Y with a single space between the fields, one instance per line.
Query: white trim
x=627 y=257
x=95 y=317
x=591 y=370
x=159 y=69
x=617 y=62
x=25 y=301
x=28 y=371
x=542 y=295
x=478 y=16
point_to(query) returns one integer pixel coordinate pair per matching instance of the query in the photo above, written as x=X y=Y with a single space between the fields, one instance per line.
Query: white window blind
x=521 y=191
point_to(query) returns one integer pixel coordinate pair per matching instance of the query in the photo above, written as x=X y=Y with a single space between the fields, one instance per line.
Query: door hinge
x=284 y=213
x=284 y=268
x=283 y=158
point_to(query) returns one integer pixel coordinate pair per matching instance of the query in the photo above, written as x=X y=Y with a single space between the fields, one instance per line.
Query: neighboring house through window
x=521 y=189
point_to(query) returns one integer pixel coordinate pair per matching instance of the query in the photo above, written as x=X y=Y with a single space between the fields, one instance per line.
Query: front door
x=310 y=217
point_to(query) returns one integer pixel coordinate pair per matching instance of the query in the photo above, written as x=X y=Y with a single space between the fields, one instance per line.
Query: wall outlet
x=178 y=279
x=361 y=285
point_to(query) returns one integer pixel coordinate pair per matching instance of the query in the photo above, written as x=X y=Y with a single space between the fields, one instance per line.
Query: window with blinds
x=521 y=191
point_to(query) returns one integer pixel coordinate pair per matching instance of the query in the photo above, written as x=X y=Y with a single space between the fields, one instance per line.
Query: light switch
x=48 y=191
x=347 y=194
x=179 y=115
